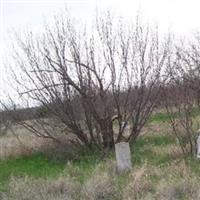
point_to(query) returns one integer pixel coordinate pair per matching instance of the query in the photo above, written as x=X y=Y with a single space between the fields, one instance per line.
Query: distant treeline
x=22 y=114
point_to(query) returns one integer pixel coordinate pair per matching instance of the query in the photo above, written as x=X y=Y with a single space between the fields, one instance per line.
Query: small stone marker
x=198 y=144
x=126 y=129
x=123 y=157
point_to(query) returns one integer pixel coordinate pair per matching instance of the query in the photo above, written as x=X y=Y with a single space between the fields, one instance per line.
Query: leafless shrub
x=88 y=80
x=181 y=96
x=180 y=107
x=62 y=151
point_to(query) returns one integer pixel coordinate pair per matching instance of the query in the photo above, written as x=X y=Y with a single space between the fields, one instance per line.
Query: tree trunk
x=107 y=134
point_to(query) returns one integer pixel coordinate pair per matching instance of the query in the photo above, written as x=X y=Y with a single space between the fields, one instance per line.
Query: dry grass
x=172 y=150
x=185 y=188
x=26 y=188
x=138 y=186
x=172 y=182
x=99 y=187
x=22 y=143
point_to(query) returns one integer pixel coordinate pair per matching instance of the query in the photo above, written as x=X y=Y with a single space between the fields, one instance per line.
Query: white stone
x=126 y=129
x=123 y=156
x=198 y=145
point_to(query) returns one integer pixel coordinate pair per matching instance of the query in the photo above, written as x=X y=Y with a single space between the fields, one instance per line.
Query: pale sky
x=180 y=16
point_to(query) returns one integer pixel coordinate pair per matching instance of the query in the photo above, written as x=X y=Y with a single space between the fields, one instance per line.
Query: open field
x=38 y=169
x=81 y=82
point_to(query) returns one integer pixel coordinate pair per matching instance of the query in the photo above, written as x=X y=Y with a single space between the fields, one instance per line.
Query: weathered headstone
x=198 y=144
x=126 y=129
x=123 y=157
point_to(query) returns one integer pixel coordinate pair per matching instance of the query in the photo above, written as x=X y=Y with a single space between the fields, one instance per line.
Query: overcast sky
x=180 y=16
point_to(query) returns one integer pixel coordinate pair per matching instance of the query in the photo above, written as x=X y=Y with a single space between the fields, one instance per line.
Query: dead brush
x=19 y=142
x=62 y=151
x=177 y=182
x=99 y=187
x=138 y=184
x=187 y=188
x=179 y=169
x=26 y=188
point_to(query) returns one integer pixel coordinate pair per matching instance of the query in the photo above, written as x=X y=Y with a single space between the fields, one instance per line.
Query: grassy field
x=159 y=171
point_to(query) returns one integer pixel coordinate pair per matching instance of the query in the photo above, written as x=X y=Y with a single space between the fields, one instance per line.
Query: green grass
x=141 y=150
x=156 y=140
x=194 y=164
x=39 y=166
x=35 y=165
x=82 y=166
x=122 y=180
x=159 y=117
x=164 y=117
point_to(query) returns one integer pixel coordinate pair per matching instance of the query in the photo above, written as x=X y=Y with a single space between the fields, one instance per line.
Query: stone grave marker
x=198 y=144
x=123 y=157
x=126 y=129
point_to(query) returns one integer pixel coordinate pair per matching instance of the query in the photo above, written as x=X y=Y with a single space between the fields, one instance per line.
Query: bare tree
x=181 y=95
x=94 y=82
